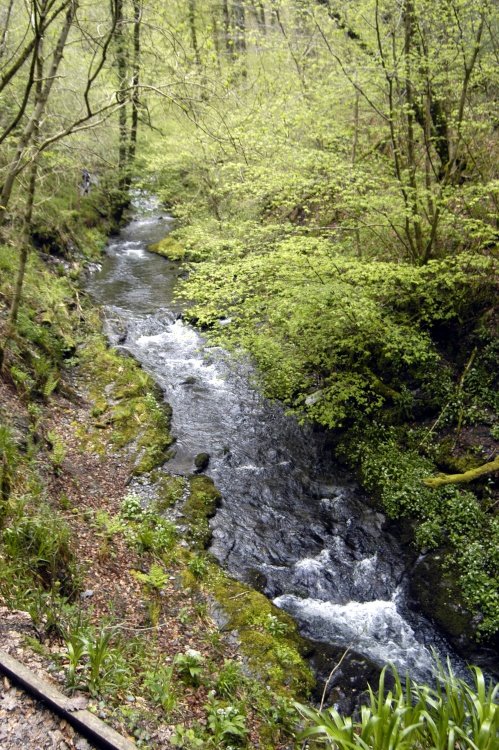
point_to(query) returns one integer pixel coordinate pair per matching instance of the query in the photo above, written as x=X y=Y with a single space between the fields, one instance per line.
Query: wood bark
x=122 y=69
x=229 y=45
x=137 y=18
x=5 y=24
x=192 y=28
x=28 y=216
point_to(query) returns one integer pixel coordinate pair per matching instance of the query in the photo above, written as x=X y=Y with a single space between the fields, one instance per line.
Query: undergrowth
x=455 y=713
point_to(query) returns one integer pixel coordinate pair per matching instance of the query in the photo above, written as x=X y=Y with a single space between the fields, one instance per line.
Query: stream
x=290 y=522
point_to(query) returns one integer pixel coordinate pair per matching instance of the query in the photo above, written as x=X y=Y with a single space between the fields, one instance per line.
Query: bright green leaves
x=453 y=714
x=333 y=336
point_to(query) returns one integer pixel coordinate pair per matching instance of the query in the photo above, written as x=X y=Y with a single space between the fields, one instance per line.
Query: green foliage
x=188 y=738
x=268 y=636
x=132 y=408
x=97 y=661
x=37 y=544
x=155 y=579
x=161 y=688
x=169 y=490
x=450 y=518
x=229 y=679
x=9 y=459
x=58 y=450
x=198 y=566
x=334 y=337
x=189 y=666
x=225 y=722
x=131 y=508
x=45 y=327
x=199 y=506
x=144 y=528
x=454 y=714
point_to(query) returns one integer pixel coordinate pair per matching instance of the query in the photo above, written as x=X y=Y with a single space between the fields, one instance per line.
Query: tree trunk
x=121 y=64
x=467 y=476
x=137 y=17
x=28 y=216
x=410 y=109
x=229 y=44
x=192 y=28
x=216 y=38
x=240 y=26
x=16 y=165
x=5 y=24
x=355 y=144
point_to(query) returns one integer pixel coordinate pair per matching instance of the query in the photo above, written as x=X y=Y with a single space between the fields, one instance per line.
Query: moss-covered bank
x=127 y=405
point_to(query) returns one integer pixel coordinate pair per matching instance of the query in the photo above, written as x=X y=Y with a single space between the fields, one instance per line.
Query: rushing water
x=290 y=523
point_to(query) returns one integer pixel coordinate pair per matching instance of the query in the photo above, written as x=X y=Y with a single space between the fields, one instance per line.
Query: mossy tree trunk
x=137 y=18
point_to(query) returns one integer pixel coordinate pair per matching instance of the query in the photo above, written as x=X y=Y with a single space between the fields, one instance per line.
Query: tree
x=431 y=58
x=42 y=118
x=42 y=96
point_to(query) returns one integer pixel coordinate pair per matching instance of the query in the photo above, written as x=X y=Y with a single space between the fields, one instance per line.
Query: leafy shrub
x=160 y=687
x=225 y=722
x=39 y=545
x=229 y=679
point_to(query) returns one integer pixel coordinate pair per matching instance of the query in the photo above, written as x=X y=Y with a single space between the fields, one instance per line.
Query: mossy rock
x=169 y=489
x=200 y=505
x=268 y=636
x=168 y=248
x=134 y=412
x=450 y=463
x=437 y=594
x=201 y=462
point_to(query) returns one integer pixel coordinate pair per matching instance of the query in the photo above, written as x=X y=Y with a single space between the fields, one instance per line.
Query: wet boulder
x=201 y=462
x=435 y=591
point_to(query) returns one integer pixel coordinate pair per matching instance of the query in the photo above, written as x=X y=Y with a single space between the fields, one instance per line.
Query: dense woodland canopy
x=332 y=167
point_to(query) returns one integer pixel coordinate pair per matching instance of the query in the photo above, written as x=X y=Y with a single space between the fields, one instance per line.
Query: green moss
x=199 y=507
x=439 y=596
x=169 y=490
x=274 y=654
x=132 y=414
x=46 y=324
x=459 y=464
x=168 y=248
x=269 y=637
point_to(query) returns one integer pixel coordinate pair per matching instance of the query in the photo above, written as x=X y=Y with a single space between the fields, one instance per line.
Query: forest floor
x=91 y=482
x=87 y=483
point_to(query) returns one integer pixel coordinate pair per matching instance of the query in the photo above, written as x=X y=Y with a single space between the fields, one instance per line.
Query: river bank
x=115 y=594
x=290 y=523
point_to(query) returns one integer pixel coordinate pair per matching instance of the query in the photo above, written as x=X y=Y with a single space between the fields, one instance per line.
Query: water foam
x=375 y=629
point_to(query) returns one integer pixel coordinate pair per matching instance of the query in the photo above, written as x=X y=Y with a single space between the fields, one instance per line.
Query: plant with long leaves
x=454 y=715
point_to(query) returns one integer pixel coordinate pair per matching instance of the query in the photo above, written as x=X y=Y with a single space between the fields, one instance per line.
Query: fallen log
x=467 y=476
